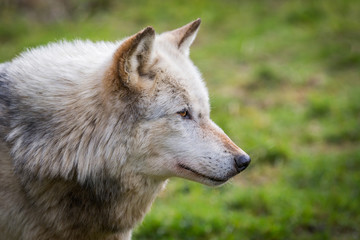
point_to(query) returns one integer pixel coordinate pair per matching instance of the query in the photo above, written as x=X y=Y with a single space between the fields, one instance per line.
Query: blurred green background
x=284 y=81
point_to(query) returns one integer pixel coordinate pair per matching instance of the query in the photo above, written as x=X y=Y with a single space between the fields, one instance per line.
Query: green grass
x=284 y=81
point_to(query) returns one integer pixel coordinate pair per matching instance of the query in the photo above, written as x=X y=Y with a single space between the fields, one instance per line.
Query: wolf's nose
x=242 y=161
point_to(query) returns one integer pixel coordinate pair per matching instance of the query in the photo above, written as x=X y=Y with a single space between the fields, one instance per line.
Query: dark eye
x=184 y=114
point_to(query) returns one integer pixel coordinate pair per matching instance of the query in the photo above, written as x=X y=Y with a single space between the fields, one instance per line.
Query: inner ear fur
x=130 y=61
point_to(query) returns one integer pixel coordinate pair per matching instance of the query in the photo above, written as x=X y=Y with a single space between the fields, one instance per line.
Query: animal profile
x=91 y=131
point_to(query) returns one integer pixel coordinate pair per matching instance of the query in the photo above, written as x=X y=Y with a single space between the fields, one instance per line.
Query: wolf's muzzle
x=242 y=161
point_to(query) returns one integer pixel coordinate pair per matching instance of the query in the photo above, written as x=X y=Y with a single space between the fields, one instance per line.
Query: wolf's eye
x=184 y=114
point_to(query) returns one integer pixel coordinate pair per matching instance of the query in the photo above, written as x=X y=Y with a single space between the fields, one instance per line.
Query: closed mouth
x=218 y=180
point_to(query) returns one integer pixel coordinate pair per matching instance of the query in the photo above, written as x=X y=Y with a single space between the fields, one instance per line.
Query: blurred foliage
x=284 y=83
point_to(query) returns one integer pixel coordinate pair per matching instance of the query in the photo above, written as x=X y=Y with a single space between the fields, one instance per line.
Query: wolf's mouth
x=218 y=180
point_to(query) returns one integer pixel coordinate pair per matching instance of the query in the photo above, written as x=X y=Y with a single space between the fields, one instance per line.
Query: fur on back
x=67 y=110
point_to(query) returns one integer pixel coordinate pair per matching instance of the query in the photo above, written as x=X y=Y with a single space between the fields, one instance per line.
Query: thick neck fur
x=83 y=207
x=82 y=134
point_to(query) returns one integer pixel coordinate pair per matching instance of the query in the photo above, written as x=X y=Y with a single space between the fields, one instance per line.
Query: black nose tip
x=242 y=161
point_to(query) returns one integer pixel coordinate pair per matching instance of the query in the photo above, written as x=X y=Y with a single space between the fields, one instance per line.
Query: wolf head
x=172 y=134
x=139 y=106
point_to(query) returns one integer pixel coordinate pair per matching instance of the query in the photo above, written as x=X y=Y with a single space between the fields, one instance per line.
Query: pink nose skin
x=242 y=161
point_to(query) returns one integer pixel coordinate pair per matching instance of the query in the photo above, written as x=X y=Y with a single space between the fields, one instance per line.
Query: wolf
x=91 y=132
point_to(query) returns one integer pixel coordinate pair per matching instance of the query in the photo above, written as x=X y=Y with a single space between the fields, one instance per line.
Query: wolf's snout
x=242 y=161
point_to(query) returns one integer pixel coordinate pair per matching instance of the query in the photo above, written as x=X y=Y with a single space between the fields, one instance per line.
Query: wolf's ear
x=184 y=36
x=131 y=61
